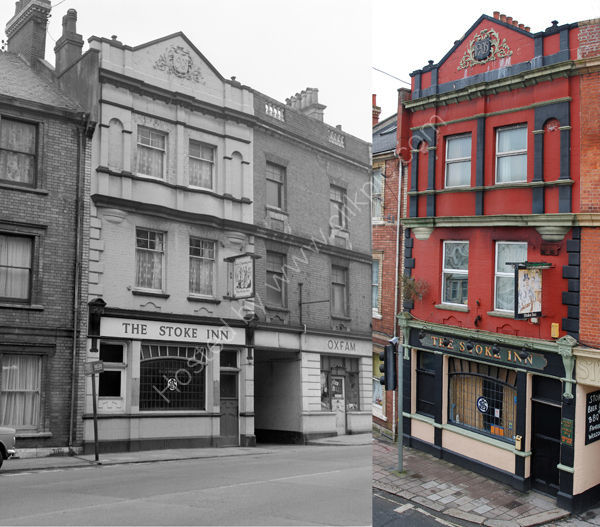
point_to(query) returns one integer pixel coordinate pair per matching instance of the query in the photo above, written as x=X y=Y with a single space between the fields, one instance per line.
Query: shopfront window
x=482 y=398
x=426 y=385
x=173 y=377
x=20 y=391
x=378 y=389
x=334 y=368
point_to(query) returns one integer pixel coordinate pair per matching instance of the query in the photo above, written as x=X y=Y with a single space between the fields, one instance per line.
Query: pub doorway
x=545 y=429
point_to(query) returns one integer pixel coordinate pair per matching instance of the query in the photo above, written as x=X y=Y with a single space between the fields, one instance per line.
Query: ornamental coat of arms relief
x=178 y=61
x=485 y=47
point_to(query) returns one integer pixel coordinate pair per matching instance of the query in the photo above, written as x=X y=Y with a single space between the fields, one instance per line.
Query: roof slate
x=18 y=80
x=384 y=135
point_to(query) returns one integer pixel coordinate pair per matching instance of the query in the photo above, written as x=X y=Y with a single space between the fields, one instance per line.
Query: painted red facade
x=501 y=144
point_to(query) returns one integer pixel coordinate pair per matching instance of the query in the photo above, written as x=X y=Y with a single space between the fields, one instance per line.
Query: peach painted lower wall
x=587 y=457
x=422 y=431
x=473 y=449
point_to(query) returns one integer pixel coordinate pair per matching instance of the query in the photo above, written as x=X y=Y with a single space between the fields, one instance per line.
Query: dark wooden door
x=230 y=433
x=545 y=439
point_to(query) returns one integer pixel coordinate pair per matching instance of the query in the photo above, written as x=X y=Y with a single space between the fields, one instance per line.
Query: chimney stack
x=68 y=46
x=307 y=102
x=376 y=110
x=26 y=30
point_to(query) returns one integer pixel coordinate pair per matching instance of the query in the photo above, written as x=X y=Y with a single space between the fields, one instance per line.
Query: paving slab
x=457 y=492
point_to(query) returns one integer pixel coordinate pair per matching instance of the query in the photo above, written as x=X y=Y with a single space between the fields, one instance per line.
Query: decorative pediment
x=178 y=61
x=484 y=47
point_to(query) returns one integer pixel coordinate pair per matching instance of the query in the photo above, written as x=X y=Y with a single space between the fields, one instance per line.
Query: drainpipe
x=77 y=274
x=397 y=272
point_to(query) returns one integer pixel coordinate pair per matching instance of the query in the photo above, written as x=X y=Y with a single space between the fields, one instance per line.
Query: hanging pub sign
x=241 y=275
x=592 y=417
x=528 y=289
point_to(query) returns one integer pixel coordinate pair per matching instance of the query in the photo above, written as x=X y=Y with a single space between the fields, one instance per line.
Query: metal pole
x=95 y=416
x=400 y=408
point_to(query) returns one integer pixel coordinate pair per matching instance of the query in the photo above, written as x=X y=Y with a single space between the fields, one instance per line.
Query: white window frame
x=163 y=259
x=453 y=271
x=450 y=161
x=377 y=196
x=346 y=276
x=376 y=310
x=29 y=268
x=151 y=147
x=500 y=155
x=211 y=162
x=107 y=403
x=281 y=185
x=502 y=273
x=214 y=271
x=341 y=215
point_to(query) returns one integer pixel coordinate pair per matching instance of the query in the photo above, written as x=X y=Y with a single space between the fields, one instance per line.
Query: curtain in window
x=17 y=151
x=15 y=266
x=200 y=173
x=464 y=391
x=20 y=395
x=149 y=269
x=201 y=276
x=150 y=162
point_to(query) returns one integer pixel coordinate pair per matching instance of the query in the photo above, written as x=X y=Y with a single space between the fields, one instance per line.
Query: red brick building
x=44 y=195
x=501 y=141
x=387 y=238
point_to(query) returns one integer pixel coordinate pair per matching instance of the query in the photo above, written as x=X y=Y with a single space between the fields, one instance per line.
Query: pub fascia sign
x=169 y=331
x=480 y=350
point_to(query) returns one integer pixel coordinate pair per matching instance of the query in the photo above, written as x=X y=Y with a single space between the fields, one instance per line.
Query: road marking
x=403 y=508
x=17 y=474
x=439 y=520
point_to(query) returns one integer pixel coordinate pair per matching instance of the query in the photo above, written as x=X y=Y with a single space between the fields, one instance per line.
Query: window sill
x=452 y=307
x=341 y=317
x=377 y=316
x=30 y=307
x=206 y=300
x=32 y=434
x=23 y=188
x=277 y=308
x=157 y=294
x=276 y=210
x=501 y=314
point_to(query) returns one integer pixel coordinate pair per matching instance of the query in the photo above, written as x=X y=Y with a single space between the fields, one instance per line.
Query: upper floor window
x=18 y=150
x=202 y=266
x=15 y=268
x=275 y=186
x=377 y=185
x=507 y=252
x=337 y=207
x=458 y=161
x=151 y=151
x=455 y=272
x=339 y=291
x=511 y=154
x=201 y=164
x=375 y=283
x=275 y=279
x=149 y=255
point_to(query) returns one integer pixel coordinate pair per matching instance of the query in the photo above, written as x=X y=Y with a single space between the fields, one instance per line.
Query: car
x=7 y=443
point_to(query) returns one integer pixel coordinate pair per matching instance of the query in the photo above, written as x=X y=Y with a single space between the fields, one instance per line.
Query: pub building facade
x=171 y=212
x=494 y=227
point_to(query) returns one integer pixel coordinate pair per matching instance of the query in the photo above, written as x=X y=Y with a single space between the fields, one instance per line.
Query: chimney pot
x=496 y=14
x=68 y=46
x=502 y=18
x=528 y=29
x=521 y=26
x=509 y=19
x=515 y=23
x=555 y=23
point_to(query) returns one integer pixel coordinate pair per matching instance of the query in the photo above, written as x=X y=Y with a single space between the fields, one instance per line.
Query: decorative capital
x=485 y=47
x=176 y=60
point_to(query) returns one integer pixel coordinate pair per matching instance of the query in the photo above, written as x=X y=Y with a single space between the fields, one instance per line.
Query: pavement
x=54 y=462
x=453 y=491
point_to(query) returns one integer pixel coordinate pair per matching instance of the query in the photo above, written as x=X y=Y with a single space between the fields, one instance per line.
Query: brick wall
x=49 y=213
x=589 y=315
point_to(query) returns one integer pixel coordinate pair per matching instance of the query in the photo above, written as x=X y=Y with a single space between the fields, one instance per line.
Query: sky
x=408 y=34
x=278 y=47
